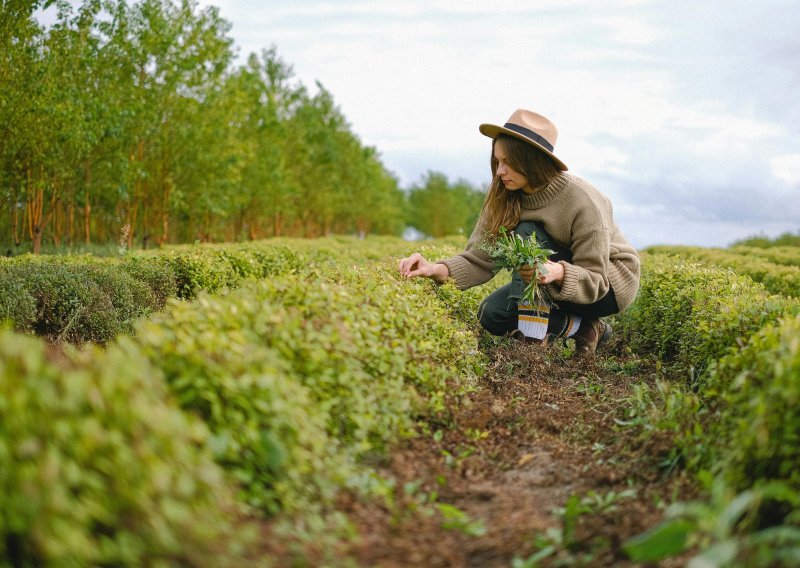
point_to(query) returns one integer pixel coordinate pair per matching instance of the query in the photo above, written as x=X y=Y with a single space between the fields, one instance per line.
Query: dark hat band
x=530 y=134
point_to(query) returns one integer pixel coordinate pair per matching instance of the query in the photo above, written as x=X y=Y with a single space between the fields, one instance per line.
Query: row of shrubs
x=268 y=399
x=788 y=255
x=690 y=314
x=86 y=298
x=778 y=278
x=731 y=352
x=101 y=468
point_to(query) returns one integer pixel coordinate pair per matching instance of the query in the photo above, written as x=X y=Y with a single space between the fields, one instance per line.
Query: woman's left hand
x=555 y=273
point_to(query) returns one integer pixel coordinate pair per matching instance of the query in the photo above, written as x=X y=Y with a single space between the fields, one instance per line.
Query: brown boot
x=590 y=335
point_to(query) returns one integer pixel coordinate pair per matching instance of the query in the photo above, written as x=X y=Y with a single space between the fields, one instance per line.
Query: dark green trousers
x=498 y=312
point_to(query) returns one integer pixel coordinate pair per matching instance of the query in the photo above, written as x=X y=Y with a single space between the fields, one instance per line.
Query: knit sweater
x=576 y=215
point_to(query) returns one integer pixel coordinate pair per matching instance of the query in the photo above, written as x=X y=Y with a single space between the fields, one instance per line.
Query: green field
x=176 y=407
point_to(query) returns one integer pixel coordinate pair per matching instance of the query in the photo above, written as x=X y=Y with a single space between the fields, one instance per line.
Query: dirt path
x=534 y=463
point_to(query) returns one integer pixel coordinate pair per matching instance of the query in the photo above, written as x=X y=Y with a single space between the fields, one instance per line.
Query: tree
x=130 y=115
x=438 y=208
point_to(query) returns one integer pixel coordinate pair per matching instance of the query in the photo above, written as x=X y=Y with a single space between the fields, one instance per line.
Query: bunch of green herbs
x=511 y=251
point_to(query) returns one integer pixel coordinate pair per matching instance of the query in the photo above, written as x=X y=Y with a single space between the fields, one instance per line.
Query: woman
x=594 y=271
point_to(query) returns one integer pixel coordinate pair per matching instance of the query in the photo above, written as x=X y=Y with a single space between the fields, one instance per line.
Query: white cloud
x=786 y=168
x=628 y=30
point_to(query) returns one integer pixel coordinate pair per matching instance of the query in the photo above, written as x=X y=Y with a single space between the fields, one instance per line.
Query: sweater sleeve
x=586 y=277
x=472 y=267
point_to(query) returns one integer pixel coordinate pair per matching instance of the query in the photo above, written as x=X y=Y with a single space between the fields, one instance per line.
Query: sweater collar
x=543 y=197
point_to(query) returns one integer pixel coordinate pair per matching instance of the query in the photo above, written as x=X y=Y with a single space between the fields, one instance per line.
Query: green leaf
x=662 y=541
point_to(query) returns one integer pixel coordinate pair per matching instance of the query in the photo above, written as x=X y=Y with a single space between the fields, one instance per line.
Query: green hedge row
x=101 y=468
x=76 y=300
x=299 y=381
x=788 y=255
x=754 y=395
x=84 y=298
x=690 y=314
x=300 y=377
x=777 y=278
x=737 y=420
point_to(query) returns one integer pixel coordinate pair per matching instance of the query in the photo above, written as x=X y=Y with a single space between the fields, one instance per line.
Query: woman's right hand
x=417 y=265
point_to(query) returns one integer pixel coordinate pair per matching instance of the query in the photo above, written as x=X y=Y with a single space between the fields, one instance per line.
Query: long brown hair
x=501 y=208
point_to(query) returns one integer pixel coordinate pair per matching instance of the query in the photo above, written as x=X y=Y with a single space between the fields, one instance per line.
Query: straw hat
x=529 y=127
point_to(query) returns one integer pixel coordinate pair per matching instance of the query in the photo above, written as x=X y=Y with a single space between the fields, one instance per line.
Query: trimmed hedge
x=790 y=256
x=690 y=314
x=73 y=302
x=100 y=468
x=755 y=394
x=17 y=304
x=84 y=298
x=266 y=429
x=300 y=378
x=777 y=278
x=737 y=422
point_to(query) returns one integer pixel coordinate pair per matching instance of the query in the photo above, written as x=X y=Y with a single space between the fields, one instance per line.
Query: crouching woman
x=594 y=271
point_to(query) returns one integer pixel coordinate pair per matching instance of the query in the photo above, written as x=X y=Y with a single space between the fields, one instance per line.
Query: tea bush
x=690 y=314
x=266 y=429
x=301 y=377
x=787 y=255
x=738 y=419
x=17 y=305
x=85 y=298
x=412 y=323
x=73 y=301
x=755 y=394
x=777 y=278
x=213 y=267
x=157 y=275
x=197 y=270
x=100 y=468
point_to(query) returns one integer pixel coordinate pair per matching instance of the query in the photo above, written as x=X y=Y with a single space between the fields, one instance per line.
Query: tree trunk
x=87 y=206
x=57 y=221
x=15 y=220
x=38 y=220
x=87 y=212
x=167 y=188
x=133 y=206
x=71 y=223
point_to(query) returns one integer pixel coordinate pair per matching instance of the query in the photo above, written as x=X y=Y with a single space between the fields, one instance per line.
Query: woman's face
x=512 y=179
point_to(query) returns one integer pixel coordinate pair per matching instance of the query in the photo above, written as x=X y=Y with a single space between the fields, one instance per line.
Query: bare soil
x=534 y=461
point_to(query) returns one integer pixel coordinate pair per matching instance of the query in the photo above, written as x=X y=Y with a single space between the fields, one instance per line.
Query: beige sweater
x=577 y=216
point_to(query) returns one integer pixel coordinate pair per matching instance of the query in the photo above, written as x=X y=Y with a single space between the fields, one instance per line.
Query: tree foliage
x=439 y=208
x=134 y=115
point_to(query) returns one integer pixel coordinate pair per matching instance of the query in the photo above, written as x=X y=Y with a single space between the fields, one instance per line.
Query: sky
x=685 y=113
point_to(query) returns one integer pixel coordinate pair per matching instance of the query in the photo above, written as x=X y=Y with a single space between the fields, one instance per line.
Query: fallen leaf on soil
x=525 y=459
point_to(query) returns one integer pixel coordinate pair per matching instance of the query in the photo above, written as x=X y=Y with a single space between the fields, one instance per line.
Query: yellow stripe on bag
x=533 y=319
x=537 y=310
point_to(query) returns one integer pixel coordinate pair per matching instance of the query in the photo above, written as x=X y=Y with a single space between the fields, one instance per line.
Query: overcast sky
x=686 y=113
